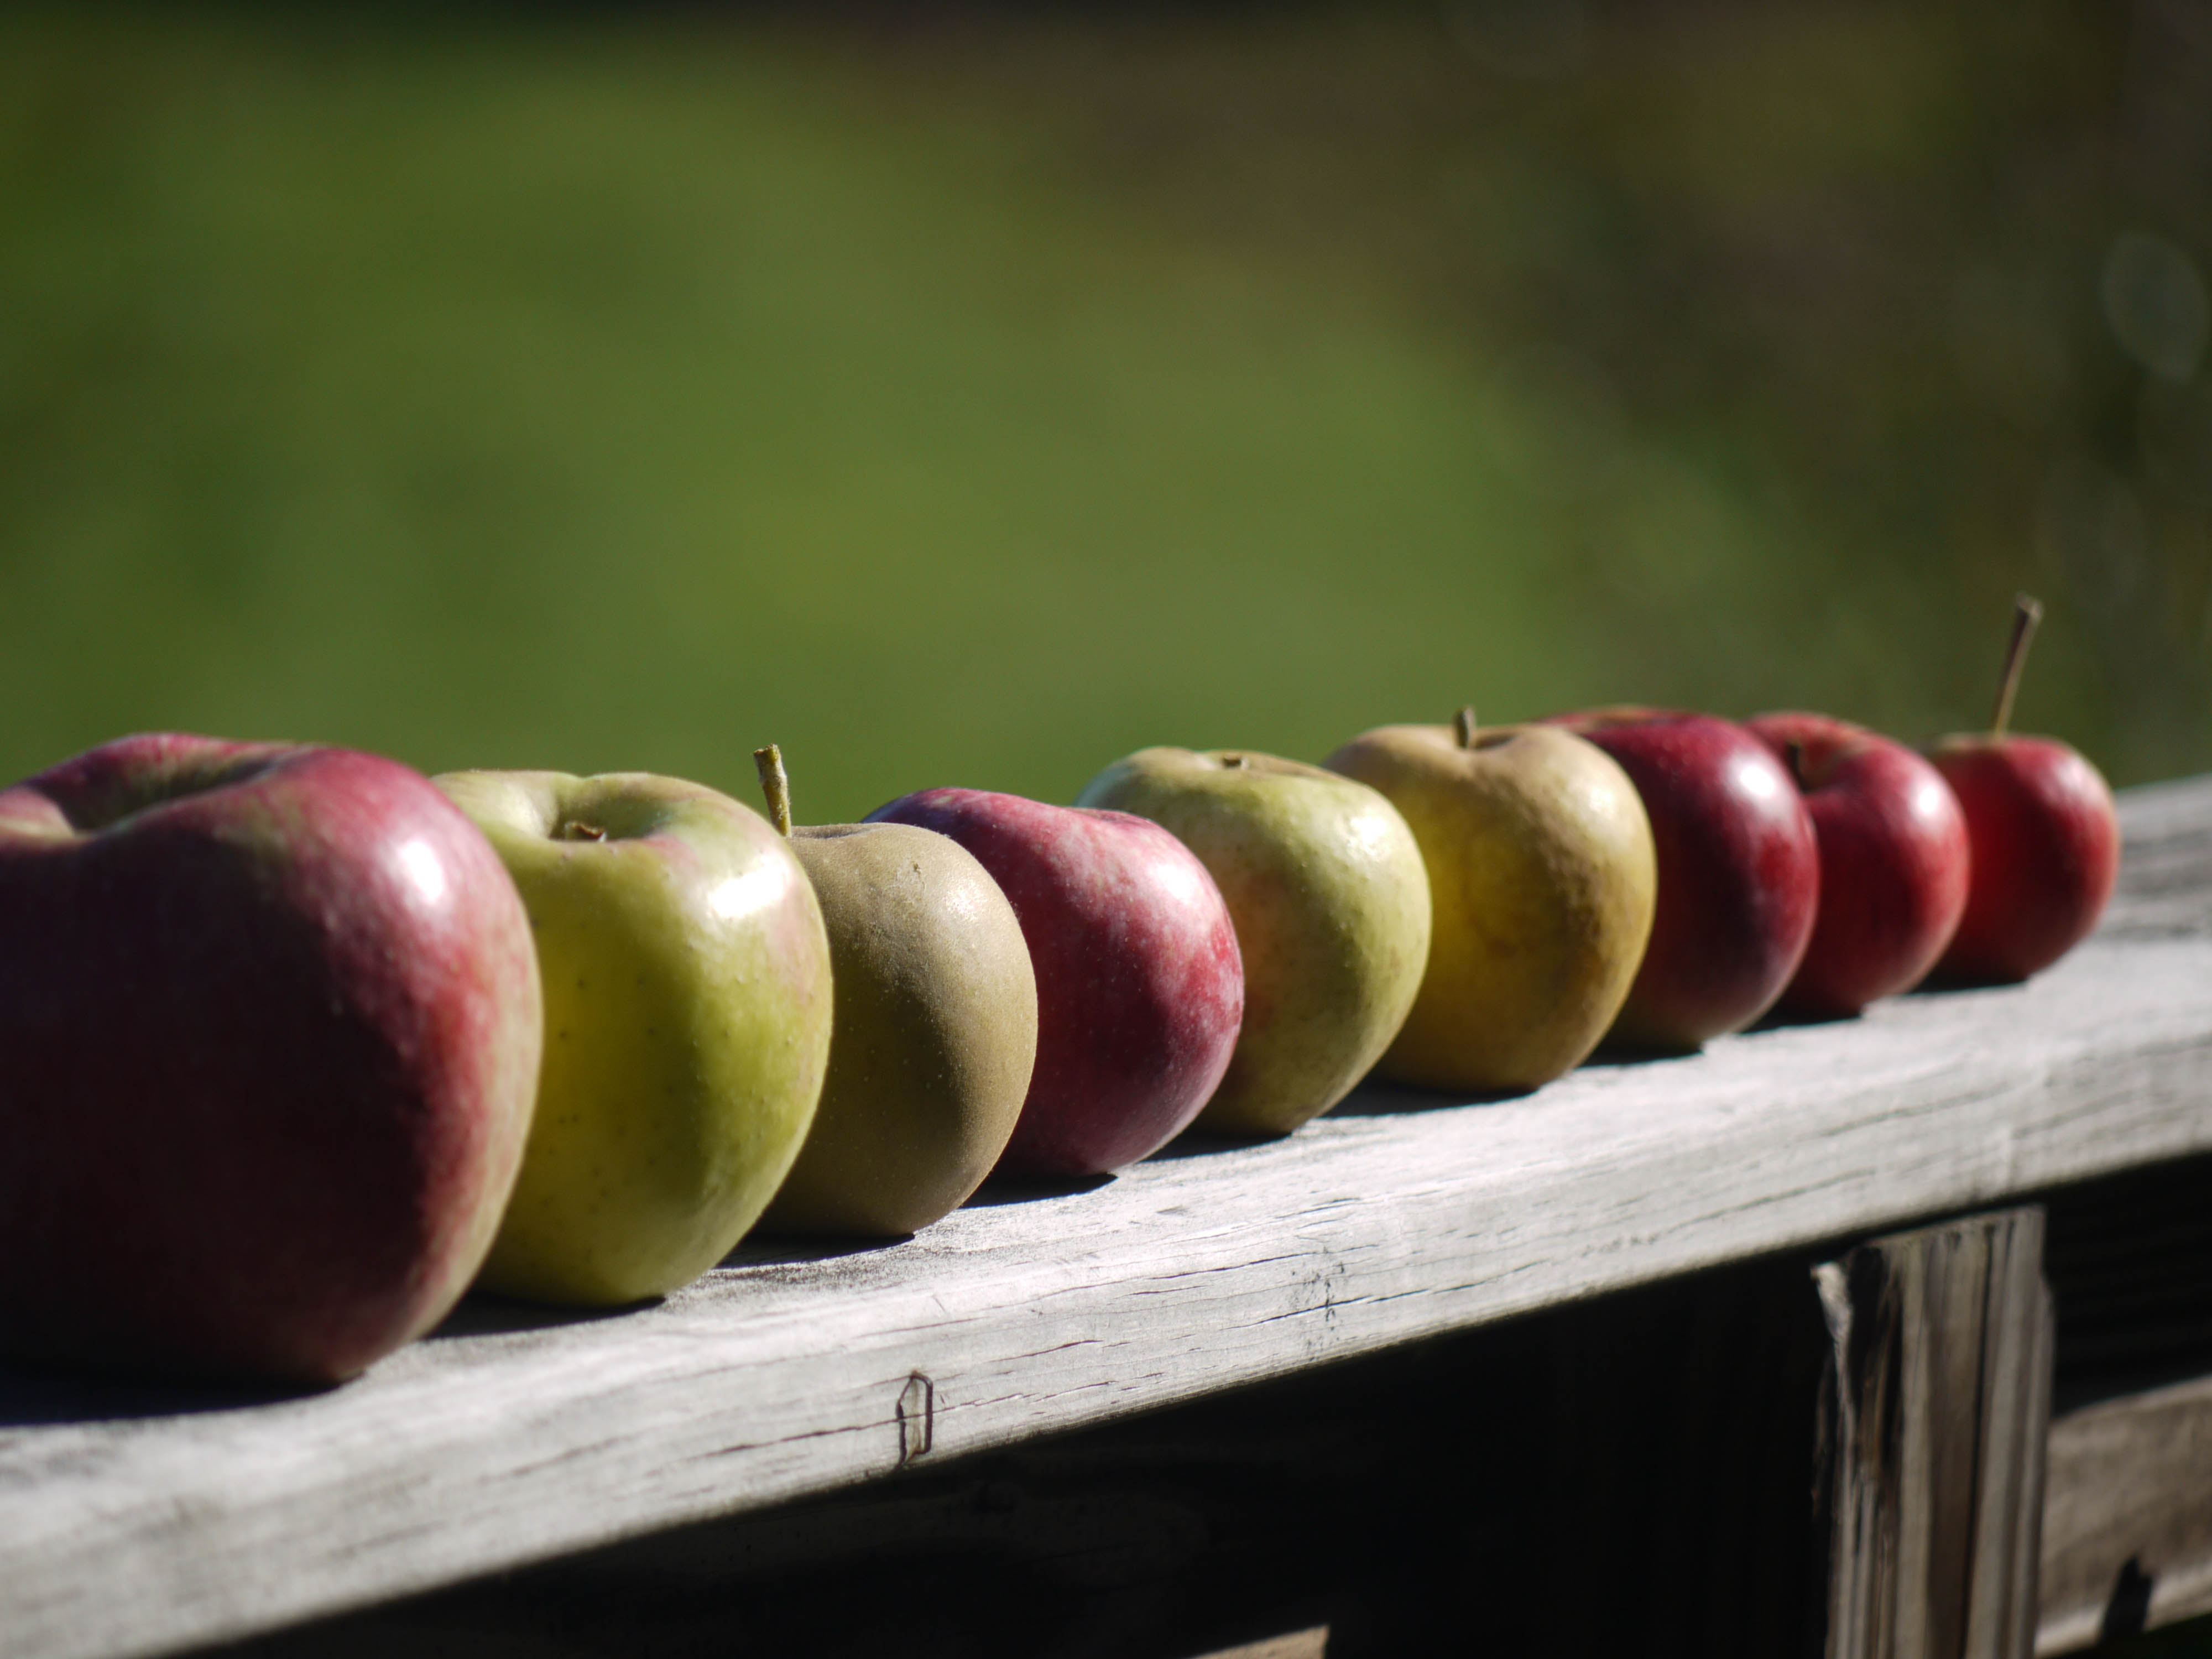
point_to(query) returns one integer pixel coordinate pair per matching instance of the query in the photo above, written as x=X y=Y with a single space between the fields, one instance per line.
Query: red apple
x=1893 y=860
x=2046 y=850
x=1739 y=877
x=2045 y=837
x=270 y=1028
x=1140 y=989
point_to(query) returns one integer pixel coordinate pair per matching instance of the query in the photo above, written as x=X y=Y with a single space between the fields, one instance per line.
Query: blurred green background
x=966 y=396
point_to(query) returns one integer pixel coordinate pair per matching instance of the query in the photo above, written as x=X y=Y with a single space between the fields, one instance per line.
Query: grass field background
x=962 y=398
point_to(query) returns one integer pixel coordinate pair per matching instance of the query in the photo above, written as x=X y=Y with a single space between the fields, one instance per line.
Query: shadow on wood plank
x=1581 y=1477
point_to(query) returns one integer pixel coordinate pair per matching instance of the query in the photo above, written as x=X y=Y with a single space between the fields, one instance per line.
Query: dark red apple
x=269 y=1039
x=1893 y=862
x=2044 y=835
x=1739 y=876
x=2046 y=851
x=1140 y=989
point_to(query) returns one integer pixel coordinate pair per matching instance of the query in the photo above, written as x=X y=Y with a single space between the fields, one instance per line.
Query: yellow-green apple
x=935 y=1032
x=1540 y=873
x=2044 y=836
x=1893 y=862
x=1739 y=876
x=687 y=1026
x=1139 y=987
x=1325 y=886
x=269 y=1029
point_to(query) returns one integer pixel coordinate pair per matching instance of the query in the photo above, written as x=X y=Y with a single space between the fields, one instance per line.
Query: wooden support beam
x=1933 y=1428
x=2127 y=1540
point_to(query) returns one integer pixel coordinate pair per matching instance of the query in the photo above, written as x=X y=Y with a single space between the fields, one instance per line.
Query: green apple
x=935 y=1034
x=1325 y=886
x=1544 y=879
x=687 y=1026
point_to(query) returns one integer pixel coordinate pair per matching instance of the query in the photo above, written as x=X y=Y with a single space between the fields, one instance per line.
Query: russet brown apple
x=934 y=1034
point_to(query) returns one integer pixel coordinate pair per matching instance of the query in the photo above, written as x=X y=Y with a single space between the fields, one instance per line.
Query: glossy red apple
x=269 y=1032
x=1893 y=860
x=1739 y=877
x=1140 y=988
x=2045 y=834
x=2046 y=851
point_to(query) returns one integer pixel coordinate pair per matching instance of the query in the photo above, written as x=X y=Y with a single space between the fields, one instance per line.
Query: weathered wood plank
x=2127 y=1535
x=132 y=1522
x=1627 y=1474
x=1298 y=1644
x=1935 y=1425
x=2165 y=869
x=2128 y=1524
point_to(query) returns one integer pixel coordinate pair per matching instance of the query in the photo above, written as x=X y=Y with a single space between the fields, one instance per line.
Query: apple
x=1893 y=862
x=935 y=1029
x=270 y=1027
x=1738 y=874
x=687 y=1026
x=1325 y=887
x=1140 y=989
x=2045 y=834
x=1540 y=867
x=2046 y=852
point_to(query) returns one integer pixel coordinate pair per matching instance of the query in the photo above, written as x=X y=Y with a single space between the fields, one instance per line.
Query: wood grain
x=1299 y=1644
x=2127 y=1537
x=1935 y=1427
x=2165 y=869
x=2127 y=1529
x=1506 y=1478
x=138 y=1522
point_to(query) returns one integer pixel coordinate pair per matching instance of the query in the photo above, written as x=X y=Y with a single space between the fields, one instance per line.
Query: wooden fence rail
x=135 y=1521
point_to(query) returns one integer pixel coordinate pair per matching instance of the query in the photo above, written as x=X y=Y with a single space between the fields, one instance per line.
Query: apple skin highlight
x=270 y=1027
x=1894 y=861
x=1140 y=986
x=2046 y=853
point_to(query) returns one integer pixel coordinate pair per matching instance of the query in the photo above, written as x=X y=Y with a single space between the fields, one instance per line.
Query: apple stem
x=2025 y=613
x=1233 y=760
x=1793 y=754
x=775 y=785
x=1464 y=726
